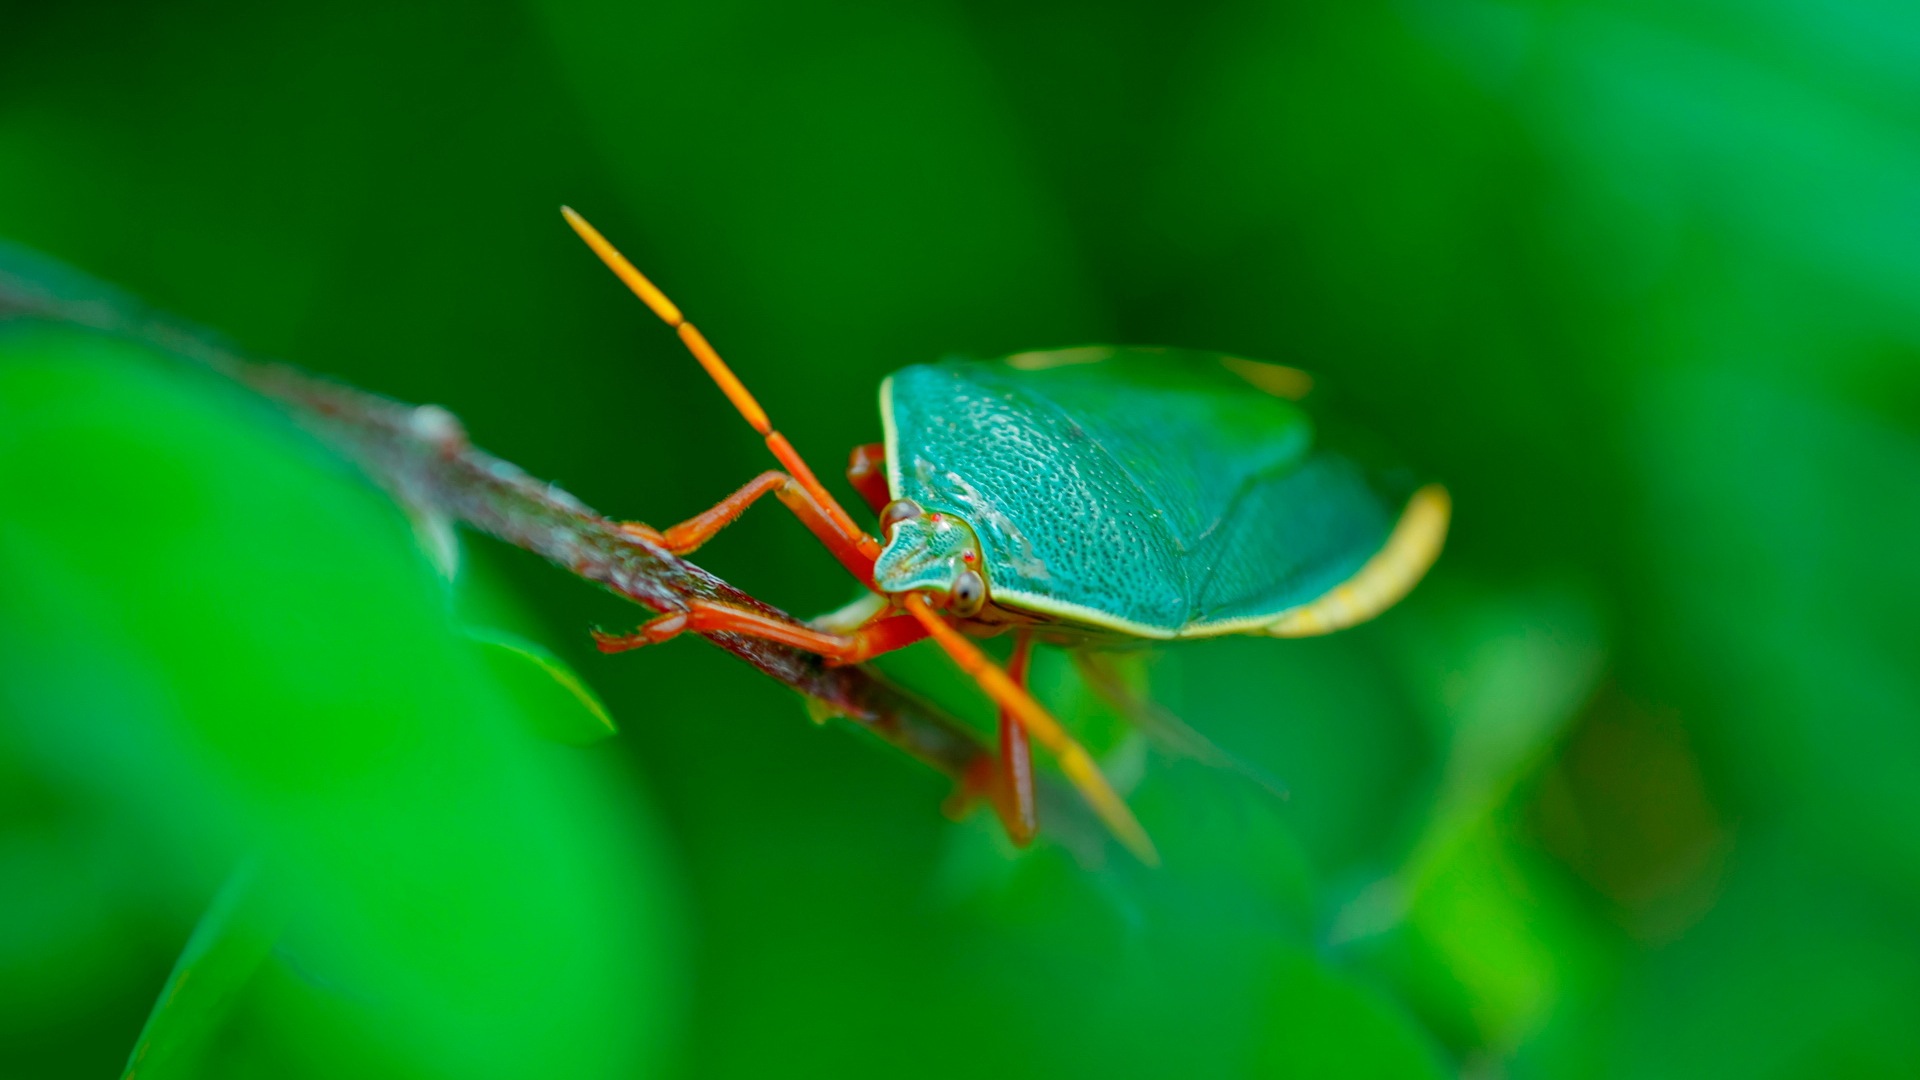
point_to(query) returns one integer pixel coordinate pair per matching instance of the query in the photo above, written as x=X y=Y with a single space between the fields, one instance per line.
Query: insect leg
x=713 y=617
x=743 y=401
x=1012 y=789
x=686 y=537
x=867 y=472
x=1075 y=762
x=664 y=628
x=697 y=530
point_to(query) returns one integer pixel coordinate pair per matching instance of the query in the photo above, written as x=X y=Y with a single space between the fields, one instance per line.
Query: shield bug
x=1081 y=496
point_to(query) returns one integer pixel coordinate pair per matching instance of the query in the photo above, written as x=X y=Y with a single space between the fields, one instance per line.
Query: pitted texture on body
x=1151 y=486
x=1054 y=514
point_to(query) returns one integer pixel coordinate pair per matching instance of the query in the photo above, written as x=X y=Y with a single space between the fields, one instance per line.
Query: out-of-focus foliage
x=225 y=661
x=1631 y=787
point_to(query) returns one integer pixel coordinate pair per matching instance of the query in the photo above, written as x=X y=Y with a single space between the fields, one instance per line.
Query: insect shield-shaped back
x=931 y=553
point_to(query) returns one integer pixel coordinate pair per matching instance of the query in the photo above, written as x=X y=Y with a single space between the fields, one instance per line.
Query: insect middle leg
x=897 y=631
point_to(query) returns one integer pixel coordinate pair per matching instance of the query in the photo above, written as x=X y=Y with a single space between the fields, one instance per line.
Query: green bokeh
x=232 y=663
x=1627 y=789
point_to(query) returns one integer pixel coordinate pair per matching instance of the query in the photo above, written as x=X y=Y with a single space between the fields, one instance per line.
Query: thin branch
x=421 y=454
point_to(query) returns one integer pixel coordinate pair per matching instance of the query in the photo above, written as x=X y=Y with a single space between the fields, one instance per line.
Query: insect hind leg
x=1005 y=780
x=1074 y=761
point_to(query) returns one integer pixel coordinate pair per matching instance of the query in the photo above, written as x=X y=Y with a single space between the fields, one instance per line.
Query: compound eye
x=969 y=593
x=897 y=511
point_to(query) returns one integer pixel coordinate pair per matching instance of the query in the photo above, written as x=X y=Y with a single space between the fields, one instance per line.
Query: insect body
x=1081 y=495
x=1144 y=493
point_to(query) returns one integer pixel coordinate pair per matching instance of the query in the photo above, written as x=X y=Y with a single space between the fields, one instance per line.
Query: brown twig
x=422 y=455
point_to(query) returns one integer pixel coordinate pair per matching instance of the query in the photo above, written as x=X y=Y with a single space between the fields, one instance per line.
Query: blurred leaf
x=247 y=652
x=575 y=716
x=1773 y=514
x=1503 y=676
x=1801 y=970
x=1493 y=956
x=227 y=947
x=1326 y=1022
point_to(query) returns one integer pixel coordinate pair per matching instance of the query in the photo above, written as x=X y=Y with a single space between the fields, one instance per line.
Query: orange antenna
x=723 y=376
x=1075 y=762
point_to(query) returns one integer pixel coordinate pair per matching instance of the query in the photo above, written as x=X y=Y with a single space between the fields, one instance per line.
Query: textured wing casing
x=1290 y=536
x=1057 y=517
x=1149 y=492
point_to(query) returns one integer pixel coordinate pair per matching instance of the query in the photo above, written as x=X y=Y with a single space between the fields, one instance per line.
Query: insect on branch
x=422 y=456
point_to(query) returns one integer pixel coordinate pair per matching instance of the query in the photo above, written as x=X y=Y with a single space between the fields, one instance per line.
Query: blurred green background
x=1631 y=787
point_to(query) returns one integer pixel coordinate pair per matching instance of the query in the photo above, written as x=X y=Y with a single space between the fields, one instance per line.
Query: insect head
x=932 y=553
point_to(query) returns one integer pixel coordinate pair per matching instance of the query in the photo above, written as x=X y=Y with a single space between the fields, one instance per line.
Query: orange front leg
x=690 y=534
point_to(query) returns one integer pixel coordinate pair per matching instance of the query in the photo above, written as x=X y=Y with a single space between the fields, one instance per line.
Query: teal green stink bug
x=1080 y=496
